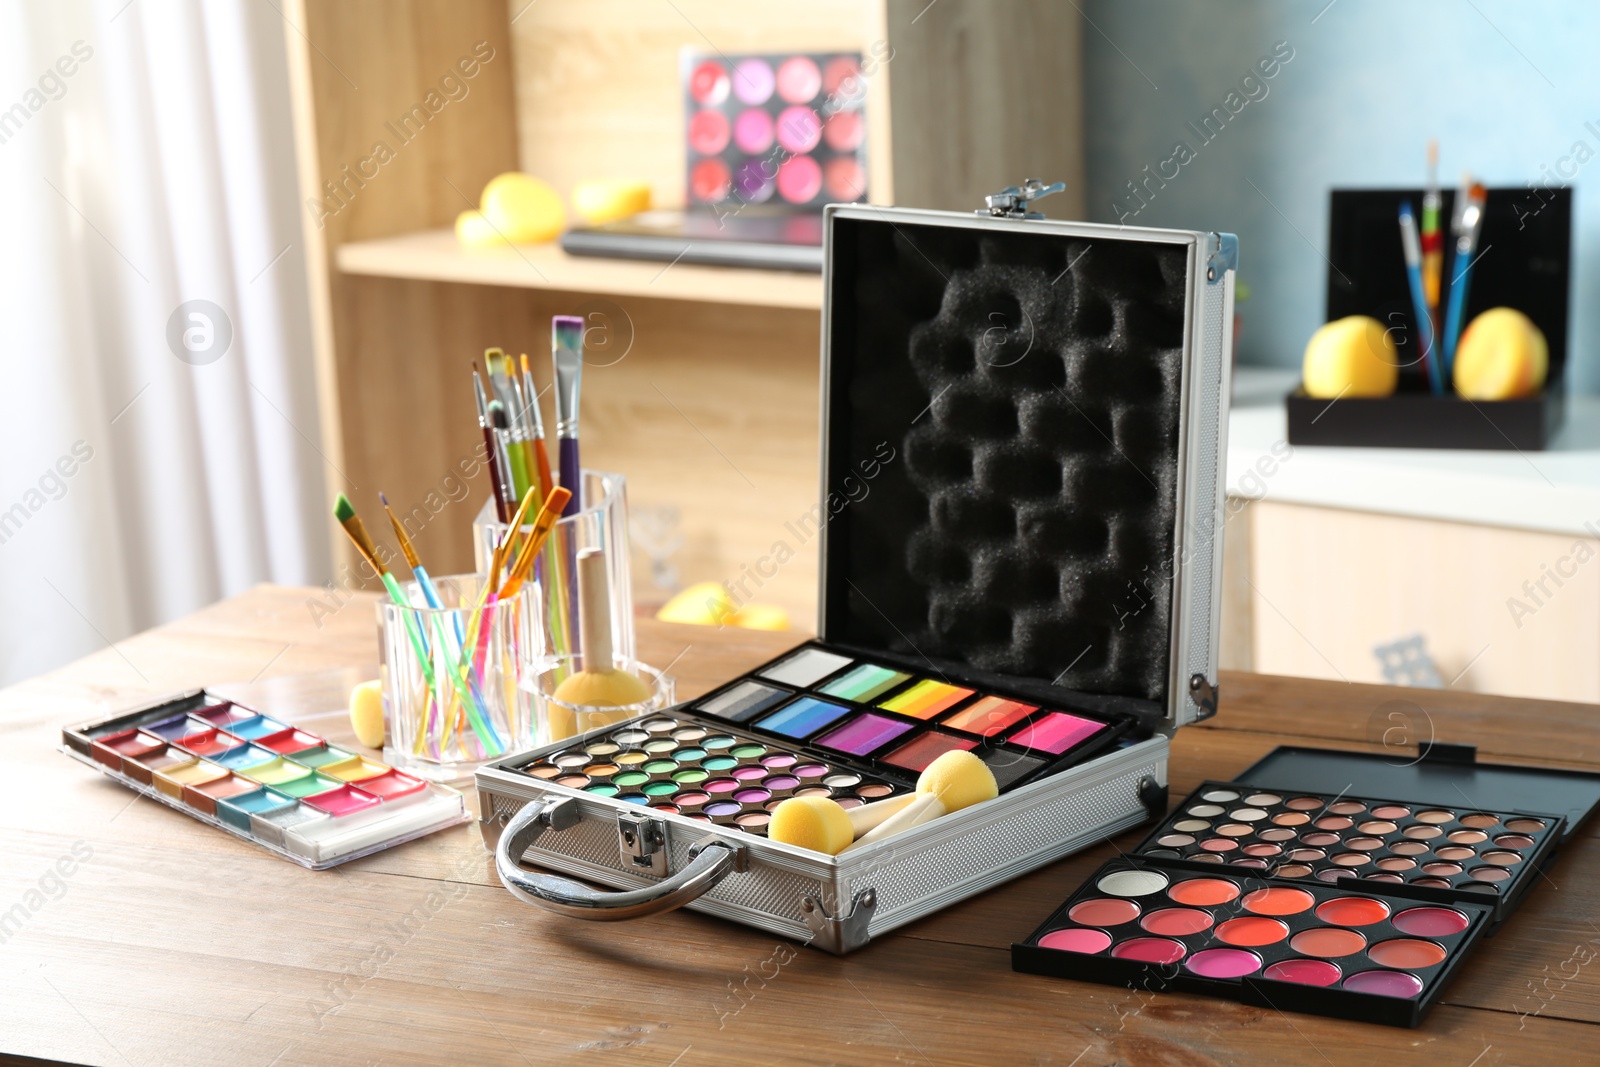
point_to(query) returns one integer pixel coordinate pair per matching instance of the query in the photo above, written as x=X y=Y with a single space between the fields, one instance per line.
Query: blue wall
x=1354 y=106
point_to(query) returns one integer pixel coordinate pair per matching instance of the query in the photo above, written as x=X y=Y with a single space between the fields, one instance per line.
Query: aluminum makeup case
x=1055 y=398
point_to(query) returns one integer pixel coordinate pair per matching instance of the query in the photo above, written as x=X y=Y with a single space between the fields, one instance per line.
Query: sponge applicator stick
x=954 y=781
x=600 y=683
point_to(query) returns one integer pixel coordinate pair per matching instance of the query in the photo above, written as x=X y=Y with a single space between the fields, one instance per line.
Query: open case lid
x=1023 y=426
x=1445 y=776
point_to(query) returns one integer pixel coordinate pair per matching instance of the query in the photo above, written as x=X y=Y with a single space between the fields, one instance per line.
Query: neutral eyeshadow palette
x=785 y=130
x=1322 y=948
x=1460 y=852
x=703 y=770
x=263 y=780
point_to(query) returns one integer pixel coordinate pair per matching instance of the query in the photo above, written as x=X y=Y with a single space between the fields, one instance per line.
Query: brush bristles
x=566 y=332
x=363 y=541
x=343 y=510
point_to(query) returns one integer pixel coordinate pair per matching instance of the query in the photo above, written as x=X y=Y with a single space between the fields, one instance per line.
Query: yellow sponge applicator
x=817 y=823
x=959 y=779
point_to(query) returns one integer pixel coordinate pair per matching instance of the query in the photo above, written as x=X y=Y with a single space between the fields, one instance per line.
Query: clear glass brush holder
x=601 y=524
x=454 y=694
x=560 y=719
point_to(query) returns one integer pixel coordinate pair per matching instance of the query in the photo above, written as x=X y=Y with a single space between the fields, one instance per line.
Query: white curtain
x=146 y=162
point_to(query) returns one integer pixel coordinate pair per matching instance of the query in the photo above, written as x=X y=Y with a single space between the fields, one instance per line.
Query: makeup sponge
x=959 y=779
x=817 y=823
x=607 y=199
x=1353 y=356
x=366 y=713
x=1502 y=355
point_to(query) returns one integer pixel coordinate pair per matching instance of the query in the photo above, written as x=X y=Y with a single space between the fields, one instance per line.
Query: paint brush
x=1432 y=238
x=505 y=392
x=1419 y=303
x=542 y=525
x=345 y=512
x=409 y=550
x=500 y=423
x=497 y=484
x=566 y=348
x=1468 y=226
x=541 y=456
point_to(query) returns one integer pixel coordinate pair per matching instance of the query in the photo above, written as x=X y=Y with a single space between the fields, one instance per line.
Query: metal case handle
x=567 y=897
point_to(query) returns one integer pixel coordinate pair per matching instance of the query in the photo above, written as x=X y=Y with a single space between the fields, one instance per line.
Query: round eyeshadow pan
x=720 y=785
x=1430 y=922
x=1436 y=816
x=1189 y=826
x=752 y=796
x=1275 y=901
x=571 y=759
x=1377 y=826
x=813 y=791
x=1177 y=922
x=1206 y=811
x=690 y=799
x=1291 y=818
x=600 y=770
x=1436 y=883
x=1234 y=829
x=634 y=798
x=1396 y=863
x=1334 y=822
x=810 y=770
x=1150 y=950
x=689 y=755
x=690 y=774
x=1524 y=826
x=1218 y=844
x=1306 y=855
x=1468 y=837
x=573 y=781
x=719 y=742
x=874 y=790
x=1304 y=972
x=1514 y=841
x=1175 y=840
x=1247 y=863
x=1479 y=820
x=1130 y=883
x=1262 y=850
x=1248 y=814
x=603 y=790
x=1407 y=952
x=1328 y=942
x=1482 y=888
x=1292 y=870
x=1454 y=852
x=753 y=820
x=1103 y=912
x=1347 y=807
x=1320 y=839
x=628 y=759
x=1502 y=859
x=841 y=781
x=1220 y=796
x=1441 y=869
x=719 y=763
x=1276 y=835
x=1421 y=833
x=1490 y=874
x=630 y=737
x=1352 y=911
x=1263 y=800
x=778 y=760
x=1204 y=857
x=602 y=748
x=660 y=745
x=780 y=782
x=1390 y=811
x=1365 y=844
x=660 y=789
x=632 y=778
x=850 y=802
x=749 y=751
x=659 y=766
x=749 y=774
x=661 y=726
x=544 y=772
x=1223 y=963
x=1203 y=891
x=722 y=807
x=1408 y=848
x=1384 y=877
x=1385 y=983
x=1333 y=874
x=673 y=808
x=1085 y=941
x=1303 y=804
x=689 y=733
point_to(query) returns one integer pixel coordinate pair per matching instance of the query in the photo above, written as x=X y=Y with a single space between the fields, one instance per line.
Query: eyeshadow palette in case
x=284 y=789
x=1018 y=529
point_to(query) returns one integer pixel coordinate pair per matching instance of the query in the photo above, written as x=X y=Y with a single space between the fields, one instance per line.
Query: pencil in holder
x=453 y=688
x=602 y=524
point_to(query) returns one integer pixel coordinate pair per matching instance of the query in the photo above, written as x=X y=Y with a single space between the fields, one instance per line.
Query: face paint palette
x=894 y=720
x=1460 y=852
x=272 y=784
x=778 y=130
x=1326 y=949
x=704 y=771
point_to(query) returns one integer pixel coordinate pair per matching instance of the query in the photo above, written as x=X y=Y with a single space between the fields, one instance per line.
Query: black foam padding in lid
x=1003 y=437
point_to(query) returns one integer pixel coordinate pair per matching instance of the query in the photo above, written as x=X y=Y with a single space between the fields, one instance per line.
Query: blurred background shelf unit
x=707 y=395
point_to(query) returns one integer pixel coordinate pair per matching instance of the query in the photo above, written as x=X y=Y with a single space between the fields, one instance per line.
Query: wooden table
x=148 y=938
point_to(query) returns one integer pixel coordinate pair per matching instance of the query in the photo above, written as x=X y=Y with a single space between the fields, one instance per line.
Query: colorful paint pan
x=864 y=683
x=1056 y=733
x=286 y=742
x=355 y=769
x=203 y=796
x=803 y=717
x=173 y=780
x=989 y=716
x=862 y=734
x=321 y=756
x=392 y=785
x=744 y=701
x=142 y=769
x=237 y=811
x=806 y=667
x=344 y=800
x=916 y=754
x=925 y=699
x=111 y=749
x=224 y=714
x=247 y=755
x=255 y=726
x=309 y=784
x=209 y=742
x=275 y=771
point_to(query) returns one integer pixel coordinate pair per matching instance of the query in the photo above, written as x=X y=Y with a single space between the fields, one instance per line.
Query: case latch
x=1013 y=201
x=1204 y=695
x=642 y=843
x=1222 y=255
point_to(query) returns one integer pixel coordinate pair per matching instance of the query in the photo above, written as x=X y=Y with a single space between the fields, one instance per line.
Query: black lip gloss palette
x=262 y=780
x=891 y=721
x=1323 y=948
x=704 y=771
x=1461 y=852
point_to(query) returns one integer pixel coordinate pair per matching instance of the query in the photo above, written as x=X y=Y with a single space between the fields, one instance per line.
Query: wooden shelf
x=436 y=256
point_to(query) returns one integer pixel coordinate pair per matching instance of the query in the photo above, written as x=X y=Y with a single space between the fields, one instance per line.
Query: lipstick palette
x=1315 y=947
x=282 y=788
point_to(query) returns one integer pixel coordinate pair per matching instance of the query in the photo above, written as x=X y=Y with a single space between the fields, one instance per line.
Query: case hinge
x=1013 y=201
x=1204 y=695
x=643 y=844
x=1444 y=752
x=1222 y=255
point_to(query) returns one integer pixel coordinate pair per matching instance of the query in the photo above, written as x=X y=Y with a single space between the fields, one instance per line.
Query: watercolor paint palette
x=1321 y=948
x=894 y=720
x=703 y=770
x=264 y=780
x=1460 y=852
x=785 y=130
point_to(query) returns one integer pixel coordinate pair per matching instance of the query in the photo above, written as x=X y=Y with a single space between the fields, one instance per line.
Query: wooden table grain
x=132 y=935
